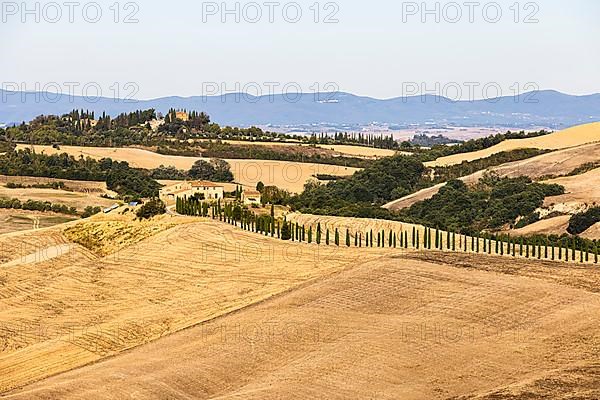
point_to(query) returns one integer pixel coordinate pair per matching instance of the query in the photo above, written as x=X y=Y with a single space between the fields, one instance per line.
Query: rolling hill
x=284 y=174
x=410 y=326
x=575 y=136
x=556 y=163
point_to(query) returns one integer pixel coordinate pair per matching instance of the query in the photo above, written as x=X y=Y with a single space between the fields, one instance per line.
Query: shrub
x=151 y=208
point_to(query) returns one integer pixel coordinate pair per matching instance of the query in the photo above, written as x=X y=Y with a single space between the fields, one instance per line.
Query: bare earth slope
x=286 y=175
x=406 y=326
x=575 y=136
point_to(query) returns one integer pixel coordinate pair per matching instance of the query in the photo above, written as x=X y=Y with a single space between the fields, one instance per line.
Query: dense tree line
x=119 y=176
x=247 y=151
x=34 y=205
x=470 y=145
x=362 y=194
x=446 y=173
x=581 y=222
x=490 y=205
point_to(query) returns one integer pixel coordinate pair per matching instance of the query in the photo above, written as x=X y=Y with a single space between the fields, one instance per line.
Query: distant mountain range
x=543 y=108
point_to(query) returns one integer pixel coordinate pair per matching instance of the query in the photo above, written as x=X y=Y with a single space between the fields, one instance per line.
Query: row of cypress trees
x=432 y=239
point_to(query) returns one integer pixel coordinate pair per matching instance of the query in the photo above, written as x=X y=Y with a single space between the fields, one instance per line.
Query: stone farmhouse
x=209 y=191
x=251 y=197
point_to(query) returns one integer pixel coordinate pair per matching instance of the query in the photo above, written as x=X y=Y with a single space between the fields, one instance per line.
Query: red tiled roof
x=205 y=184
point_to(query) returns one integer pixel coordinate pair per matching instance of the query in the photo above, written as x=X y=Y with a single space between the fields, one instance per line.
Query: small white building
x=210 y=191
x=251 y=197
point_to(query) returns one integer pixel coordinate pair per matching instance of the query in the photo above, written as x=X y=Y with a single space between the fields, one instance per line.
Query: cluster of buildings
x=205 y=190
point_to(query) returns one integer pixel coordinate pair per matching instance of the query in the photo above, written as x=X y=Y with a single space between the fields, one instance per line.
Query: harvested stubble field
x=337 y=149
x=401 y=326
x=448 y=242
x=79 y=307
x=72 y=199
x=572 y=137
x=20 y=220
x=98 y=188
x=551 y=164
x=286 y=175
x=579 y=189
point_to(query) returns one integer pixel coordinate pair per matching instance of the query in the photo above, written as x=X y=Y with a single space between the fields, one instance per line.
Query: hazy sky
x=380 y=49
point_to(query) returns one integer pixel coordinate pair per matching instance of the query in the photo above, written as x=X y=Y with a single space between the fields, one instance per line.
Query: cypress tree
x=406 y=240
x=285 y=231
x=310 y=234
x=453 y=241
x=414 y=234
x=595 y=252
x=347 y=238
x=560 y=250
x=429 y=240
x=437 y=239
x=574 y=249
x=371 y=237
x=417 y=240
x=337 y=237
x=394 y=239
x=356 y=240
x=472 y=243
x=327 y=237
x=390 y=239
x=318 y=233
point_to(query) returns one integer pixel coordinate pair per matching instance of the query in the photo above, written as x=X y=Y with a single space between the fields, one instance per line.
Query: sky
x=381 y=49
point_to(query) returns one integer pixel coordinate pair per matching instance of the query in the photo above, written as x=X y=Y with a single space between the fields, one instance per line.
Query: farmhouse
x=250 y=197
x=205 y=189
x=182 y=115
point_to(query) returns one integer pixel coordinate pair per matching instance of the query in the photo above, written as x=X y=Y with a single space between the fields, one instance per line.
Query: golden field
x=154 y=282
x=580 y=188
x=342 y=150
x=285 y=175
x=575 y=136
x=272 y=320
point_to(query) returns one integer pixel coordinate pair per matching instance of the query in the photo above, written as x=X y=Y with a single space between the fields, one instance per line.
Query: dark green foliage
x=151 y=208
x=581 y=222
x=356 y=195
x=285 y=231
x=89 y=211
x=119 y=176
x=34 y=205
x=493 y=203
x=216 y=170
